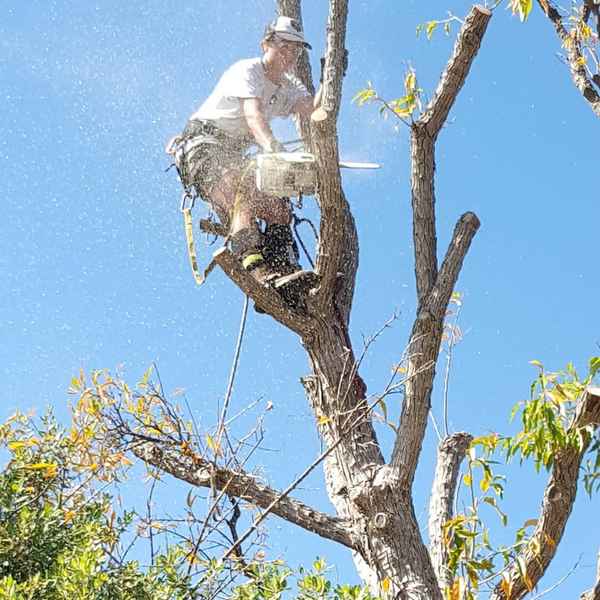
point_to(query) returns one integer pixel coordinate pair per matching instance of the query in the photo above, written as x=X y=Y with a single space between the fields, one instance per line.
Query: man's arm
x=308 y=104
x=259 y=126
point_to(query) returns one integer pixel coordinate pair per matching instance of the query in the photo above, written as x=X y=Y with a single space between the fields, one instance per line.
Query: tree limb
x=456 y=71
x=337 y=258
x=424 y=135
x=293 y=9
x=449 y=458
x=557 y=504
x=423 y=351
x=575 y=57
x=268 y=299
x=198 y=471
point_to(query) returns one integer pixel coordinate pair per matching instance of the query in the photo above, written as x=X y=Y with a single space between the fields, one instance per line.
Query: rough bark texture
x=557 y=504
x=200 y=472
x=373 y=500
x=575 y=58
x=450 y=456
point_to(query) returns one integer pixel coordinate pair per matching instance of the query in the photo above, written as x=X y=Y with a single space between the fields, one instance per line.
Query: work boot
x=281 y=250
x=248 y=246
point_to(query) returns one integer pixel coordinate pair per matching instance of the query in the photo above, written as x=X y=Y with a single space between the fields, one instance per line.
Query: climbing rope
x=233 y=372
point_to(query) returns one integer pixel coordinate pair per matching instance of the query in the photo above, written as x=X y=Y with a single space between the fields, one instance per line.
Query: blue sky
x=93 y=259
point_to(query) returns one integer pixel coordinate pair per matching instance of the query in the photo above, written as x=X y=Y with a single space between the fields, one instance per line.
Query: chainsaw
x=293 y=173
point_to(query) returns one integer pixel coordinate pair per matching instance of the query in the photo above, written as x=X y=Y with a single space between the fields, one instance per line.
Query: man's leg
x=240 y=199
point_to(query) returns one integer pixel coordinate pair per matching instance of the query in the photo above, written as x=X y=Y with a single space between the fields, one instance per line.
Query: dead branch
x=575 y=57
x=450 y=455
x=557 y=504
x=198 y=471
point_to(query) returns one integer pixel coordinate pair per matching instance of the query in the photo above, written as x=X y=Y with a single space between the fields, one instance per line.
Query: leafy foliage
x=270 y=581
x=547 y=429
x=60 y=538
x=57 y=535
x=521 y=7
x=402 y=107
x=547 y=417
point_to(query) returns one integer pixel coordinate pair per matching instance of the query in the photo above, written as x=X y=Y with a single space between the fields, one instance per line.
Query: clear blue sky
x=92 y=256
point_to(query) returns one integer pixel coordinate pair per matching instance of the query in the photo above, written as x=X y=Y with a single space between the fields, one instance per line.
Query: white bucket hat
x=288 y=29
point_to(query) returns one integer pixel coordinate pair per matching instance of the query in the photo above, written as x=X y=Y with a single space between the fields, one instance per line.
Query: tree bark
x=450 y=456
x=557 y=504
x=200 y=472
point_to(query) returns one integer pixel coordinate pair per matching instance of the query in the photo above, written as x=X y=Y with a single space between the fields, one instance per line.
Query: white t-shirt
x=247 y=79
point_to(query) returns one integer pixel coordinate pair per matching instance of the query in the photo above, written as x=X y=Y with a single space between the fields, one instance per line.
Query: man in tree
x=212 y=149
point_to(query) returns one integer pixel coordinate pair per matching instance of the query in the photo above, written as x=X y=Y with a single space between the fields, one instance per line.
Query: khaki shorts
x=204 y=154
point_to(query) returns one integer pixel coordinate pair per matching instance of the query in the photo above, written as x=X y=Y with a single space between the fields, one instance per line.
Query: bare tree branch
x=557 y=504
x=450 y=455
x=456 y=72
x=575 y=57
x=337 y=258
x=199 y=472
x=424 y=135
x=424 y=348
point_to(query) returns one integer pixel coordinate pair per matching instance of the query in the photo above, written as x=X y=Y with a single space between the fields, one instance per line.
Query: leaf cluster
x=269 y=581
x=57 y=533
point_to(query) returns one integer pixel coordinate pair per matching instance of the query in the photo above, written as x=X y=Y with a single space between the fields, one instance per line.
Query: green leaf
x=365 y=95
x=430 y=27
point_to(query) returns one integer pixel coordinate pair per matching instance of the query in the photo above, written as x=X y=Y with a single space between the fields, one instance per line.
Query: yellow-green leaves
x=365 y=95
x=402 y=107
x=521 y=8
x=430 y=26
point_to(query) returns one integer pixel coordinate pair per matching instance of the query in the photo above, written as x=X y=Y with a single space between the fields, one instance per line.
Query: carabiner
x=187 y=195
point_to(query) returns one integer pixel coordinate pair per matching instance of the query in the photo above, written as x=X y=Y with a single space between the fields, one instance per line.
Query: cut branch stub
x=456 y=71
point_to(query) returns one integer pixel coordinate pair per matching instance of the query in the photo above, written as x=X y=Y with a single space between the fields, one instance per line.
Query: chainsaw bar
x=346 y=164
